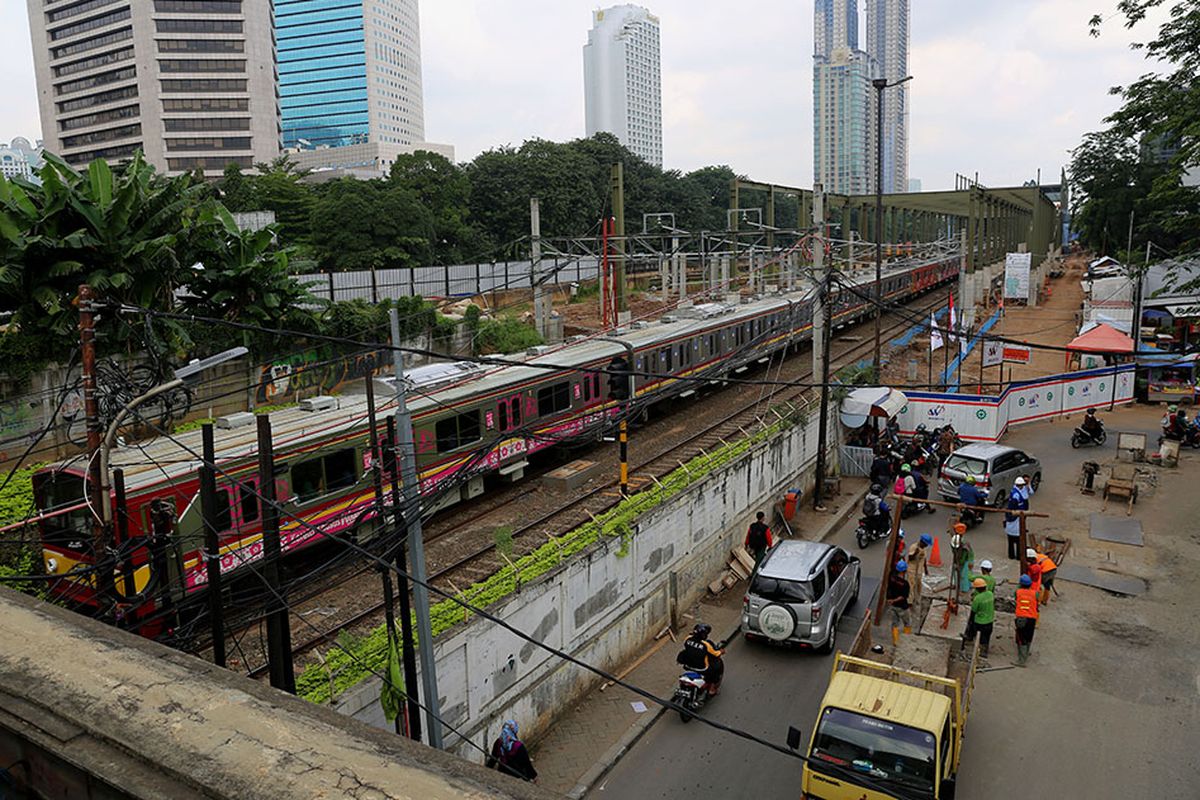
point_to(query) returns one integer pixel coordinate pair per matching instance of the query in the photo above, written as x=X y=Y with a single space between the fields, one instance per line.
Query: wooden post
x=889 y=562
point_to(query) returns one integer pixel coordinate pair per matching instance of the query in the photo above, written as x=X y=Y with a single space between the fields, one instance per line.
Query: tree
x=445 y=191
x=370 y=225
x=279 y=187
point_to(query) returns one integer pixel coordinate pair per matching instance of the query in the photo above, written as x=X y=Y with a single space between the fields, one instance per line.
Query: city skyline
x=843 y=111
x=887 y=42
x=622 y=79
x=492 y=77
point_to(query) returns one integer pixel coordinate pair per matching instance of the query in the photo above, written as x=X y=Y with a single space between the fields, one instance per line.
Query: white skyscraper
x=622 y=80
x=843 y=136
x=887 y=38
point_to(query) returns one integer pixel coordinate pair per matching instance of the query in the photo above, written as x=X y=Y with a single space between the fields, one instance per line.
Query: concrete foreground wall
x=604 y=606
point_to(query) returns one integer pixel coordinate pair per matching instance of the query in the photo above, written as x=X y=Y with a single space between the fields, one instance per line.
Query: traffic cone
x=935 y=558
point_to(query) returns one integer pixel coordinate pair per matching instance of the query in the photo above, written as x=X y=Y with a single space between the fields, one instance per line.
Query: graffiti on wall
x=318 y=368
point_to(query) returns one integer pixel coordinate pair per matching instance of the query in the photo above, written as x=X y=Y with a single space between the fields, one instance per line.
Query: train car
x=469 y=422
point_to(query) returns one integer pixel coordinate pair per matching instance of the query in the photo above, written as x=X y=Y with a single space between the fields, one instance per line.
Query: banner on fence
x=993 y=353
x=983 y=418
x=1016 y=354
x=1016 y=275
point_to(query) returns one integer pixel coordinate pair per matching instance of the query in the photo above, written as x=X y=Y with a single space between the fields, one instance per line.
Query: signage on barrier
x=1016 y=354
x=1016 y=275
x=993 y=353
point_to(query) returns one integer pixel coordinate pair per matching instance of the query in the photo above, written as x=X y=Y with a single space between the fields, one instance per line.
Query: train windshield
x=55 y=490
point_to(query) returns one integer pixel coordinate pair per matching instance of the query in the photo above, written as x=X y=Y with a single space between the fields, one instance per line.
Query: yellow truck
x=892 y=731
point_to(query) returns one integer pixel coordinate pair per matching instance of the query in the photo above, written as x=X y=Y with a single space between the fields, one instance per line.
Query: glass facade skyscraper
x=842 y=134
x=349 y=72
x=887 y=44
x=322 y=72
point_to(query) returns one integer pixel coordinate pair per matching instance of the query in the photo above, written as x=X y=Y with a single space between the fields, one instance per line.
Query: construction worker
x=985 y=572
x=897 y=600
x=1033 y=569
x=1017 y=501
x=918 y=565
x=964 y=556
x=983 y=616
x=1049 y=570
x=1026 y=619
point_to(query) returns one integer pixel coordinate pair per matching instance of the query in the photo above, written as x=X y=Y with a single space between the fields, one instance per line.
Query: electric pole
x=822 y=311
x=416 y=544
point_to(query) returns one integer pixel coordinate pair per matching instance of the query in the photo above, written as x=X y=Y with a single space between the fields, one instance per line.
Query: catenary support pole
x=212 y=542
x=407 y=650
x=416 y=544
x=618 y=212
x=535 y=267
x=279 y=632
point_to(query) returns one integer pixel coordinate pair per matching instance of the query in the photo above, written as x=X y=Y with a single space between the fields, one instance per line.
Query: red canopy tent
x=1100 y=339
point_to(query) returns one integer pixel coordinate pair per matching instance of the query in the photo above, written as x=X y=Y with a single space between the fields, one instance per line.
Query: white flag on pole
x=935 y=336
x=953 y=321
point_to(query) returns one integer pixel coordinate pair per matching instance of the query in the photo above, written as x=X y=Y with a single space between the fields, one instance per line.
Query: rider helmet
x=906 y=468
x=702 y=630
x=876 y=488
x=1091 y=412
x=971 y=479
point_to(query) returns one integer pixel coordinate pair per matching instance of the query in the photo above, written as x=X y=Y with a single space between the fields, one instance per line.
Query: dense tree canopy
x=1137 y=164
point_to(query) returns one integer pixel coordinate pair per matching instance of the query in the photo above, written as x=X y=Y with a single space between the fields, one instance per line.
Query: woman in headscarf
x=509 y=754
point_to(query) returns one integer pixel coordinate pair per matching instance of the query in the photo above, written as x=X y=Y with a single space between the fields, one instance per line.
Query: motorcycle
x=970 y=518
x=864 y=534
x=1081 y=437
x=692 y=692
x=914 y=505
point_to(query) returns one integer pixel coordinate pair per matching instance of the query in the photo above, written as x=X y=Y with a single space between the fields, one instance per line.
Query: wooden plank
x=739 y=570
x=718 y=586
x=745 y=558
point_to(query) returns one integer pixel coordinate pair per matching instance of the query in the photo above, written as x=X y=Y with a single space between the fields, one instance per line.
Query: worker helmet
x=985 y=565
x=1019 y=481
x=702 y=629
x=979 y=583
x=926 y=539
x=1026 y=581
x=960 y=528
x=971 y=479
x=902 y=566
x=906 y=468
x=1030 y=553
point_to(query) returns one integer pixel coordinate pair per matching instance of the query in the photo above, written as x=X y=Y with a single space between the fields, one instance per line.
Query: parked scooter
x=1080 y=437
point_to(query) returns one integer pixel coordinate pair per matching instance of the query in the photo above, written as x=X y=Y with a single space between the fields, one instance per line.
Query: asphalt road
x=766 y=689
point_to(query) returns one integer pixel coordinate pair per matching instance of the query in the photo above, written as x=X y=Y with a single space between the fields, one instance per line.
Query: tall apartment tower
x=622 y=79
x=888 y=23
x=843 y=138
x=189 y=82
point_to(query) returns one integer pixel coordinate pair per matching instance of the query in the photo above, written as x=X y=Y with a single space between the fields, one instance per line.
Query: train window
x=712 y=344
x=665 y=357
x=224 y=510
x=454 y=432
x=552 y=399
x=317 y=476
x=594 y=380
x=249 y=503
x=503 y=413
x=515 y=405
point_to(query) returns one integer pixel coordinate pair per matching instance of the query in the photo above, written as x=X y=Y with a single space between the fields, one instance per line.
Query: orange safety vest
x=1027 y=605
x=1046 y=563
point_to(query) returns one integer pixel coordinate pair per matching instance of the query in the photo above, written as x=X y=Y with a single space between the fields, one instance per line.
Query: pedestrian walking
x=1026 y=619
x=1012 y=522
x=1049 y=570
x=510 y=756
x=918 y=565
x=897 y=601
x=758 y=538
x=983 y=616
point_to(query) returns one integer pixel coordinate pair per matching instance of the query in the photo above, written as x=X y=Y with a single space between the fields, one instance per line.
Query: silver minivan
x=995 y=467
x=799 y=592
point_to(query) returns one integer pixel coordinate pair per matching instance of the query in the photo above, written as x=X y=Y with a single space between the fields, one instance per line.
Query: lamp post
x=880 y=84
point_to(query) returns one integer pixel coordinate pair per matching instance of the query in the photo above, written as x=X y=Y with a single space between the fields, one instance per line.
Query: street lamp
x=185 y=374
x=880 y=84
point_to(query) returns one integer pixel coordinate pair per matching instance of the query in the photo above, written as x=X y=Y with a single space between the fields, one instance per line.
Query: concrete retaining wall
x=604 y=606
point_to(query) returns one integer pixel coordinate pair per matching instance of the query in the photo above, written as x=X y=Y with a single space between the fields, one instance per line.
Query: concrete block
x=571 y=476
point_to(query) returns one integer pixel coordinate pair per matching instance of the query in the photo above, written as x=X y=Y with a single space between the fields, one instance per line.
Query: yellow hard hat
x=979 y=583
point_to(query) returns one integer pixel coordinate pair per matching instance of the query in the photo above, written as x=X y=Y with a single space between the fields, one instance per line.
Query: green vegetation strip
x=19 y=554
x=355 y=659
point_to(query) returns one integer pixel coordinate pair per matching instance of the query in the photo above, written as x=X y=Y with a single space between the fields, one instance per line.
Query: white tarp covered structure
x=871 y=401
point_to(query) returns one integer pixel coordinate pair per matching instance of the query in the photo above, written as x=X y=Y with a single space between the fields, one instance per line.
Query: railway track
x=454 y=566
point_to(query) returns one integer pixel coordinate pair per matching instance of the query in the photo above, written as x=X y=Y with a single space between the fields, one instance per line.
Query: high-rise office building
x=842 y=134
x=350 y=83
x=887 y=38
x=189 y=82
x=622 y=79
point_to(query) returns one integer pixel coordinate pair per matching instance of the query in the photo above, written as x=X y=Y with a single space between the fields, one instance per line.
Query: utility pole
x=416 y=544
x=618 y=232
x=212 y=542
x=535 y=267
x=880 y=84
x=823 y=312
x=279 y=626
x=408 y=653
x=95 y=431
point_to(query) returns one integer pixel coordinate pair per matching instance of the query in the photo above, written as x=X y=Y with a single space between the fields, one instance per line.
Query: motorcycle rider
x=700 y=655
x=1092 y=425
x=914 y=485
x=971 y=495
x=876 y=511
x=1172 y=425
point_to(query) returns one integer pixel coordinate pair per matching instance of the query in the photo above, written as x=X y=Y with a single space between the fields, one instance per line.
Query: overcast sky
x=1002 y=88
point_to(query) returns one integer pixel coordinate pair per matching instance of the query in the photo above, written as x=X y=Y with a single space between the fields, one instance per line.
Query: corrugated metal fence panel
x=352 y=285
x=856 y=461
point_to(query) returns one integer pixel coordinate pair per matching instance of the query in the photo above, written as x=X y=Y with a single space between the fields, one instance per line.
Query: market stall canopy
x=1102 y=339
x=872 y=401
x=1183 y=310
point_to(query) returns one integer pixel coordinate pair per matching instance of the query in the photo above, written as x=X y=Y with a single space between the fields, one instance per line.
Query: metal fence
x=856 y=461
x=457 y=280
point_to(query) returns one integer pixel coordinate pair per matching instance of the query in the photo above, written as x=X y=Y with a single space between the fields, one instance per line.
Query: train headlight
x=52 y=565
